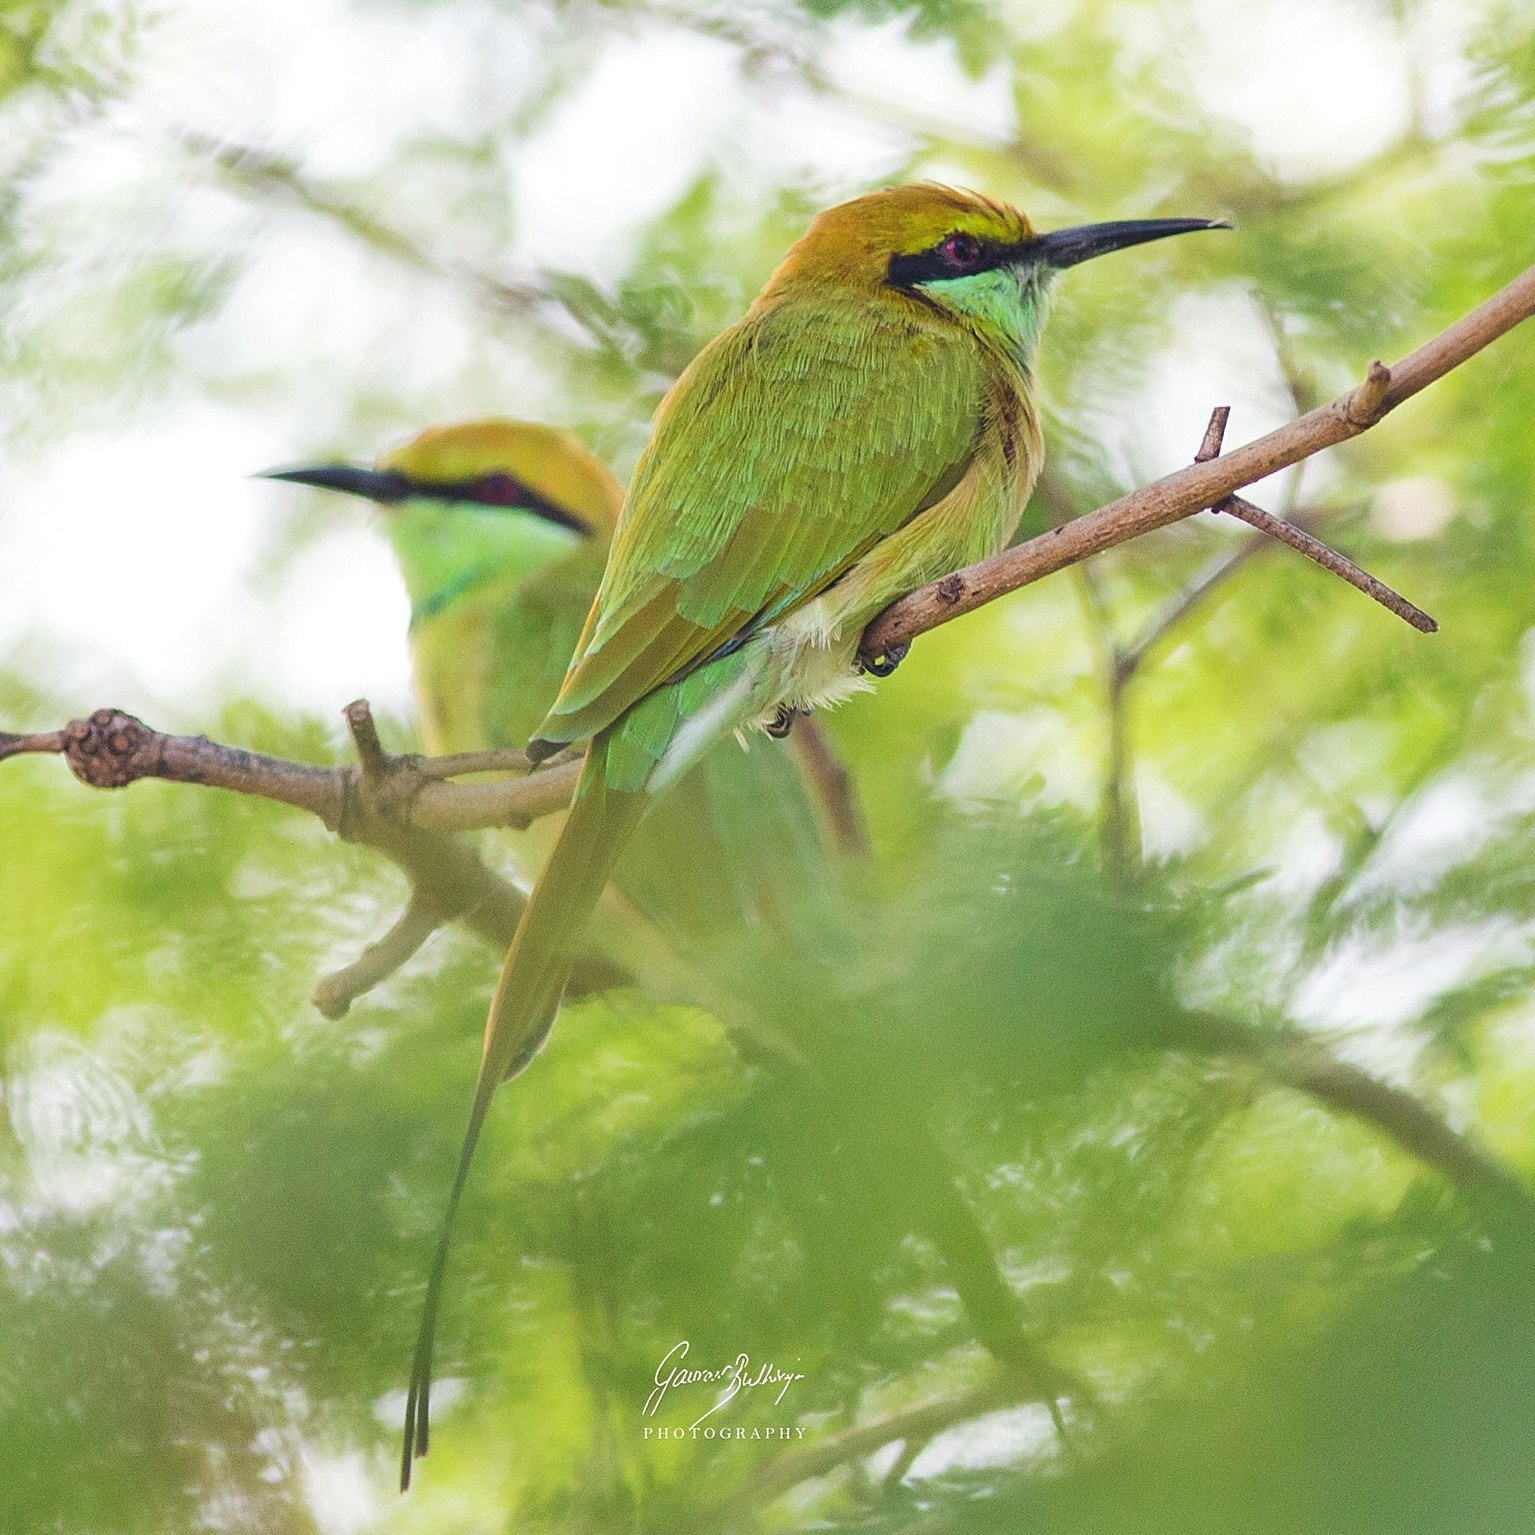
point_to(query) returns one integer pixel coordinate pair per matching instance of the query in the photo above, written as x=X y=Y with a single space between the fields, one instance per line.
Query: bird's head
x=500 y=465
x=479 y=501
x=955 y=251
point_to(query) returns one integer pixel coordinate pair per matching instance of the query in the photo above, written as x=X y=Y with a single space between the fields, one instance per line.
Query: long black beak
x=497 y=490
x=1067 y=247
x=386 y=485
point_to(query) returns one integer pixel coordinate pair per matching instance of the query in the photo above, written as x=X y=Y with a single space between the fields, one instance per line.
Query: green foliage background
x=1034 y=1088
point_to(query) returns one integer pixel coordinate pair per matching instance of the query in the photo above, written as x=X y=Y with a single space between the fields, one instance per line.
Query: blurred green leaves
x=1014 y=1096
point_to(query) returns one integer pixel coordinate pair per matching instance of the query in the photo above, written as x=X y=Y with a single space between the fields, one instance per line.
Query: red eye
x=498 y=489
x=961 y=251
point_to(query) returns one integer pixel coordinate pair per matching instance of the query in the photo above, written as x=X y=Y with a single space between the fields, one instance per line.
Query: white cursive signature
x=672 y=1371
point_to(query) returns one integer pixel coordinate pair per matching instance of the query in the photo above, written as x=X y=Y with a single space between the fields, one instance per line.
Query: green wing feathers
x=788 y=449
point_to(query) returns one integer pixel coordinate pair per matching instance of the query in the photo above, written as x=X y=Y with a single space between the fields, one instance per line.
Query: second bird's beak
x=386 y=485
x=1066 y=247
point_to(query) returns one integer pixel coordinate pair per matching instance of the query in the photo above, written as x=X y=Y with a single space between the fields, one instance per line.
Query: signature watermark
x=737 y=1377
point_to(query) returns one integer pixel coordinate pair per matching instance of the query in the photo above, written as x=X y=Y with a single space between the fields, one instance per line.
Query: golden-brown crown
x=851 y=245
x=552 y=463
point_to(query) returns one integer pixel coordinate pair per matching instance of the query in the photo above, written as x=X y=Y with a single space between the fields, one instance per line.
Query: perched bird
x=868 y=426
x=501 y=530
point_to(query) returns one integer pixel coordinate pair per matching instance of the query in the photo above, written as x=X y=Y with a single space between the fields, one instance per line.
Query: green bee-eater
x=868 y=426
x=501 y=529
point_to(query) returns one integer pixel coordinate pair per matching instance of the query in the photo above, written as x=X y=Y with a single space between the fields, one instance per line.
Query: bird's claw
x=883 y=665
x=783 y=721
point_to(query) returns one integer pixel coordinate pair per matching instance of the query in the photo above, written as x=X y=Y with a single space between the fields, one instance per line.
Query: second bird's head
x=952 y=251
x=477 y=501
x=496 y=465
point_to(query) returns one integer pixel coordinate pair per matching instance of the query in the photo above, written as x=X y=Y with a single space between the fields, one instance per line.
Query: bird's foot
x=783 y=721
x=883 y=665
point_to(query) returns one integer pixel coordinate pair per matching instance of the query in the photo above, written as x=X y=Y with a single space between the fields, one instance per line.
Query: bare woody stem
x=112 y=749
x=1298 y=538
x=1202 y=485
x=918 y=1423
x=385 y=803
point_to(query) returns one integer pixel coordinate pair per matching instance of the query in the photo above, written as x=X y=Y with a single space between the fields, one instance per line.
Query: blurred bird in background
x=501 y=529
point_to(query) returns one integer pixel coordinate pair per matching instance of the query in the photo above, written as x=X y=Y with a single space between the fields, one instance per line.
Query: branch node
x=1365 y=406
x=111 y=749
x=382 y=786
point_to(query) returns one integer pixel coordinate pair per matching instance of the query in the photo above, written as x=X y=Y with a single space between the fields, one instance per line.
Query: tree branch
x=335 y=994
x=281 y=179
x=392 y=804
x=112 y=749
x=1202 y=485
x=1306 y=1065
x=921 y=1423
x=1329 y=559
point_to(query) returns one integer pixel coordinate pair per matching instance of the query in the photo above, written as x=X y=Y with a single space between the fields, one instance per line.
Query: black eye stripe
x=939 y=263
x=498 y=489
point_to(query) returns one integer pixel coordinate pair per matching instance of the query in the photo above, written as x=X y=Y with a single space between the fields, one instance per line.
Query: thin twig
x=370 y=750
x=1307 y=1065
x=1120 y=822
x=1120 y=819
x=1215 y=574
x=920 y=1423
x=1202 y=485
x=43 y=743
x=338 y=991
x=502 y=759
x=263 y=171
x=1329 y=559
x=1364 y=408
x=1215 y=435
